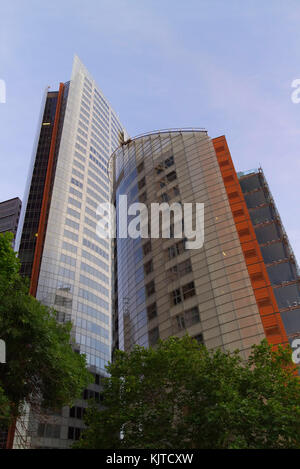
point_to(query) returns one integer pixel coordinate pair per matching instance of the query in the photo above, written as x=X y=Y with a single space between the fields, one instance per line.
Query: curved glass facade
x=163 y=288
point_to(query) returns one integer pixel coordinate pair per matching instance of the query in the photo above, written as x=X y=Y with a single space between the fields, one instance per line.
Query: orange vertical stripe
x=262 y=288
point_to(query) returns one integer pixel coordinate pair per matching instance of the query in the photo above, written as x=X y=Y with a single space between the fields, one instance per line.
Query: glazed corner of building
x=271 y=264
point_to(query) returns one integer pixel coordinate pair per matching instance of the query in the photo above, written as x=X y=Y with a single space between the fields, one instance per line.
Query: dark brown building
x=9 y=215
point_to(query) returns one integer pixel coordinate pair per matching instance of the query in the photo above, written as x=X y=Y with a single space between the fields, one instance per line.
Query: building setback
x=224 y=294
x=69 y=266
x=9 y=215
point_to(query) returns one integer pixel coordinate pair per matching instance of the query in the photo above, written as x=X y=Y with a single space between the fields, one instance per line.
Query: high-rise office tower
x=9 y=215
x=225 y=293
x=69 y=266
x=275 y=248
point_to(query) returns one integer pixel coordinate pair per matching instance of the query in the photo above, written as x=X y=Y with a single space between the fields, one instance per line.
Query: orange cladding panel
x=262 y=288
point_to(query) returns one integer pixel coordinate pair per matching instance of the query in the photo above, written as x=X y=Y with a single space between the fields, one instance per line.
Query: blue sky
x=226 y=65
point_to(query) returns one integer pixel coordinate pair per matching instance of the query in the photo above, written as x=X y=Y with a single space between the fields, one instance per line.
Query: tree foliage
x=42 y=368
x=180 y=395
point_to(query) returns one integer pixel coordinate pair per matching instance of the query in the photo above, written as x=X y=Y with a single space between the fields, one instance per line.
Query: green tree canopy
x=41 y=367
x=180 y=395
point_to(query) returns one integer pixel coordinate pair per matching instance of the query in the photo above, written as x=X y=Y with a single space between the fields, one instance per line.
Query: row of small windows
x=89 y=222
x=183 y=293
x=63 y=301
x=151 y=311
x=74 y=433
x=77 y=413
x=115 y=125
x=115 y=122
x=181 y=269
x=63 y=317
x=114 y=143
x=95 y=260
x=94 y=285
x=74 y=191
x=69 y=247
x=73 y=213
x=99 y=150
x=79 y=156
x=146 y=269
x=94 y=313
x=95 y=237
x=82 y=133
x=88 y=84
x=81 y=124
x=177 y=249
x=67 y=273
x=79 y=165
x=188 y=318
x=101 y=99
x=165 y=165
x=86 y=94
x=82 y=117
x=147 y=248
x=63 y=286
x=76 y=183
x=170 y=177
x=68 y=260
x=95 y=248
x=101 y=108
x=91 y=202
x=99 y=111
x=95 y=272
x=101 y=122
x=104 y=168
x=98 y=155
x=153 y=336
x=92 y=327
x=97 y=179
x=104 y=135
x=82 y=141
x=84 y=112
x=166 y=196
x=72 y=224
x=115 y=135
x=91 y=212
x=77 y=173
x=85 y=105
x=92 y=343
x=88 y=394
x=98 y=188
x=87 y=295
x=80 y=148
x=96 y=360
x=74 y=202
x=98 y=139
x=70 y=235
x=94 y=195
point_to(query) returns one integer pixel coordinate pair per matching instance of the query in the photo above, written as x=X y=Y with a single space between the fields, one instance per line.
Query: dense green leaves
x=180 y=395
x=41 y=367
